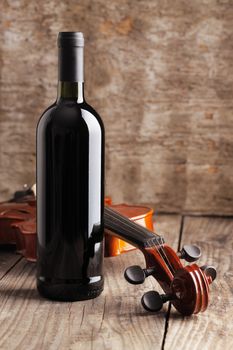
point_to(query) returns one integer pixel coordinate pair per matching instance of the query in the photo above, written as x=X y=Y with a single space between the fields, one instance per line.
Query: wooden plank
x=169 y=227
x=115 y=320
x=8 y=258
x=212 y=329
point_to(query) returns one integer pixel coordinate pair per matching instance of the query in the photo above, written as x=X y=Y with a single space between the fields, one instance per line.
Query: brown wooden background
x=159 y=72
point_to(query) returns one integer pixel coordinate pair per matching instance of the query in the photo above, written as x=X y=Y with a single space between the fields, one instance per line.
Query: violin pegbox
x=186 y=287
x=152 y=300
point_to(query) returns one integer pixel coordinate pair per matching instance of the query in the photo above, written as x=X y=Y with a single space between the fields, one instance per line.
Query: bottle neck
x=71 y=73
x=70 y=90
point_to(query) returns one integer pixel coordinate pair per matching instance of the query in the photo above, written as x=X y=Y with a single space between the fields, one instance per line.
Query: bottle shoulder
x=69 y=113
x=47 y=114
x=85 y=107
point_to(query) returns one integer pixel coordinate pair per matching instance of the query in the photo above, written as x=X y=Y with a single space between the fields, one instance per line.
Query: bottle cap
x=74 y=39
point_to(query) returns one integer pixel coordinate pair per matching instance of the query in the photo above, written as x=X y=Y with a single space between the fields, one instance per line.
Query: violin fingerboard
x=130 y=231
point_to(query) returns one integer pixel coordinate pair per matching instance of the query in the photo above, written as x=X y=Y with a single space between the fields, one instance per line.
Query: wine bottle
x=70 y=185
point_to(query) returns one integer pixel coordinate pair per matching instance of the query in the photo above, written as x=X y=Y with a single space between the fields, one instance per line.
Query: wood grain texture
x=160 y=75
x=8 y=260
x=212 y=329
x=115 y=320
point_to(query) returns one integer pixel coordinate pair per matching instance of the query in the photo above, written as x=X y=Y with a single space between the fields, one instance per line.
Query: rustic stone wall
x=160 y=73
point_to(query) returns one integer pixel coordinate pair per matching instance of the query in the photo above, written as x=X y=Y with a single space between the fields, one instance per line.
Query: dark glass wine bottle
x=70 y=185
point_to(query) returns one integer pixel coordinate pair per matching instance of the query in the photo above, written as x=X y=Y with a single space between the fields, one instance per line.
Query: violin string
x=138 y=229
x=164 y=252
x=127 y=222
x=112 y=214
x=130 y=224
x=164 y=255
x=166 y=259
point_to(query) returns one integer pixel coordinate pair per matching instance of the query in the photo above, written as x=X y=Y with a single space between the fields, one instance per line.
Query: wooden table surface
x=116 y=319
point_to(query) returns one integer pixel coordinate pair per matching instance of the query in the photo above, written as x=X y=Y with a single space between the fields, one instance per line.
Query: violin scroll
x=187 y=287
x=191 y=288
x=210 y=272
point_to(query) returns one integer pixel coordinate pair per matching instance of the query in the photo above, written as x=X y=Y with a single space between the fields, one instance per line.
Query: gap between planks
x=166 y=327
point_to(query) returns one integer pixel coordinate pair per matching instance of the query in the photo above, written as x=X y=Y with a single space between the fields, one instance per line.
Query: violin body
x=18 y=225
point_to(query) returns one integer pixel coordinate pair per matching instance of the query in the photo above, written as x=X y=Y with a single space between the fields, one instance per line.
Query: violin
x=18 y=224
x=186 y=287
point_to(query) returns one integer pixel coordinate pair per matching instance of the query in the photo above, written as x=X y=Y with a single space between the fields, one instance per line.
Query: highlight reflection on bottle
x=70 y=185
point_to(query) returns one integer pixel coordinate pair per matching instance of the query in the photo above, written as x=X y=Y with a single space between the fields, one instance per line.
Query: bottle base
x=69 y=291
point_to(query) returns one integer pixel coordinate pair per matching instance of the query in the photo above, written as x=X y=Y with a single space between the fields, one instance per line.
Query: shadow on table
x=21 y=293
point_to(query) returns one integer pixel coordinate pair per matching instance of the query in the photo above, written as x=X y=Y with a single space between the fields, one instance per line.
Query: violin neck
x=127 y=230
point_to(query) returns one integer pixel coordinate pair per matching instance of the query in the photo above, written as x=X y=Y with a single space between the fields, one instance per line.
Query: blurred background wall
x=160 y=73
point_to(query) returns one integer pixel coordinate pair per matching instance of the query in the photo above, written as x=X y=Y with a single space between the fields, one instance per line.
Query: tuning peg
x=190 y=253
x=153 y=301
x=136 y=275
x=209 y=271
